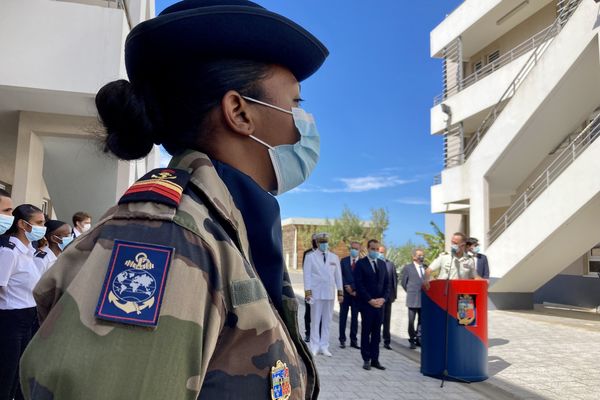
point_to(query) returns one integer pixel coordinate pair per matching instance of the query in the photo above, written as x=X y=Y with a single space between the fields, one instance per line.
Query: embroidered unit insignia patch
x=134 y=283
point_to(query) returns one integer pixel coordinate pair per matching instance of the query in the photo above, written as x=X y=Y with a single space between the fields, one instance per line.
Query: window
x=477 y=66
x=594 y=261
x=493 y=56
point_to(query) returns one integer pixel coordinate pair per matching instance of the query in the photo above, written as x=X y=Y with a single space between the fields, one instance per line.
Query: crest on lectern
x=466 y=310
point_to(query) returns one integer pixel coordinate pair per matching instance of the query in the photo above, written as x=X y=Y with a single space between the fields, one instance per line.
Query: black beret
x=193 y=31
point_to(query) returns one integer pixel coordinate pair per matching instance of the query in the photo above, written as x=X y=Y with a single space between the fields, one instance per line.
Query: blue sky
x=371 y=101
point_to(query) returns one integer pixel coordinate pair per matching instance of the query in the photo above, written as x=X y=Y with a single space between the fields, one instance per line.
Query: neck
x=21 y=236
x=55 y=249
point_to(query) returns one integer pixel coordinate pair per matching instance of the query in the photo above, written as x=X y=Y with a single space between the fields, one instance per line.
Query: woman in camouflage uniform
x=180 y=291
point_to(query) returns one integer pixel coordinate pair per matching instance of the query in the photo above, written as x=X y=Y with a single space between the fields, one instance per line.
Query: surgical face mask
x=380 y=256
x=353 y=253
x=476 y=249
x=293 y=163
x=86 y=227
x=6 y=222
x=373 y=254
x=323 y=247
x=37 y=232
x=64 y=242
x=454 y=248
x=421 y=259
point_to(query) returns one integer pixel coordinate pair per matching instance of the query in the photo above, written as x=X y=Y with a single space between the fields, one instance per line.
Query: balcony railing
x=500 y=62
x=566 y=10
x=566 y=157
x=453 y=145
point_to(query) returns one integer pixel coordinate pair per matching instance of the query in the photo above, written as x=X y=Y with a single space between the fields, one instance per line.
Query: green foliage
x=436 y=243
x=348 y=227
x=401 y=255
x=380 y=221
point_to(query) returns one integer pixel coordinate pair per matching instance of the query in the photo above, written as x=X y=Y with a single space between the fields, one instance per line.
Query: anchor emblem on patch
x=134 y=283
x=281 y=389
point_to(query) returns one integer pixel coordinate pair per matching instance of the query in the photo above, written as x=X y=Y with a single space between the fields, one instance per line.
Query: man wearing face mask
x=82 y=222
x=348 y=264
x=458 y=264
x=483 y=268
x=6 y=217
x=371 y=282
x=322 y=284
x=413 y=276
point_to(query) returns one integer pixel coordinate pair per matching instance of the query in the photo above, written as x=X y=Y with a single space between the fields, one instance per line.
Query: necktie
x=324 y=258
x=353 y=264
x=374 y=267
x=420 y=270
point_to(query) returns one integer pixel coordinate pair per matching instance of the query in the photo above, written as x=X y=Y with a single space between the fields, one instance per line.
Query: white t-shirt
x=18 y=276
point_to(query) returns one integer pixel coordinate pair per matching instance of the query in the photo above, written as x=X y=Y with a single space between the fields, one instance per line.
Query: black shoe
x=387 y=346
x=307 y=338
x=418 y=343
x=366 y=365
x=342 y=345
x=413 y=345
x=377 y=365
x=355 y=345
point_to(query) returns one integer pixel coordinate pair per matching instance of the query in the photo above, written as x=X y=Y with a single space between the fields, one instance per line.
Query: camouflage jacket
x=218 y=335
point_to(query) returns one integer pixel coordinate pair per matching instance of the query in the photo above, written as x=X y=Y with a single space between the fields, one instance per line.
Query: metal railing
x=500 y=62
x=453 y=145
x=545 y=179
x=564 y=13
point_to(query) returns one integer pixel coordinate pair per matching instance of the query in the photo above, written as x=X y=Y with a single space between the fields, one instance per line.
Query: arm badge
x=281 y=389
x=134 y=284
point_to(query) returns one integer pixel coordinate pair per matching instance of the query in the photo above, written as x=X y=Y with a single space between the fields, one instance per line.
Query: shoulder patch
x=7 y=243
x=39 y=253
x=134 y=284
x=162 y=185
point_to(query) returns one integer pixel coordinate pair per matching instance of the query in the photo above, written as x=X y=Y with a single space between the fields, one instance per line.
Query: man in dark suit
x=348 y=265
x=483 y=268
x=387 y=307
x=371 y=283
x=306 y=305
x=413 y=276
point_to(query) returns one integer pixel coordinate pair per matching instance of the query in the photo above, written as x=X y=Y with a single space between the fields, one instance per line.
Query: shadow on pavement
x=497 y=342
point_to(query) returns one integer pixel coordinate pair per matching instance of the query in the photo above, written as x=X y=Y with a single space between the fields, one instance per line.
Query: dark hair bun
x=129 y=131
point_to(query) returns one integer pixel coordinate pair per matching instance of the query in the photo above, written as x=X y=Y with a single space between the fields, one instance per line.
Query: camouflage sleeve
x=84 y=356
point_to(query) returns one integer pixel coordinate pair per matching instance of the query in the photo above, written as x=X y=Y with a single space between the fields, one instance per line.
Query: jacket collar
x=205 y=178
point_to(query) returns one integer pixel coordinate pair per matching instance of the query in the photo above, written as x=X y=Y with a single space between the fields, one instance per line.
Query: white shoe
x=314 y=353
x=326 y=352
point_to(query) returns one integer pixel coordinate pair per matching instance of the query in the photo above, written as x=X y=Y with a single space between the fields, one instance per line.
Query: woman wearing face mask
x=18 y=276
x=6 y=217
x=58 y=236
x=180 y=291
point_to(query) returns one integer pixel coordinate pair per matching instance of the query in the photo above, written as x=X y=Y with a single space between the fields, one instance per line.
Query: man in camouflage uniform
x=217 y=327
x=458 y=264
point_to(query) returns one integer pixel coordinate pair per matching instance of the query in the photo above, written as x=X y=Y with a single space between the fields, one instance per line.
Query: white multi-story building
x=55 y=55
x=519 y=114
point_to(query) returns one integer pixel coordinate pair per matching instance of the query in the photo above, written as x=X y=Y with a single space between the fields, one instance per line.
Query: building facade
x=519 y=114
x=56 y=54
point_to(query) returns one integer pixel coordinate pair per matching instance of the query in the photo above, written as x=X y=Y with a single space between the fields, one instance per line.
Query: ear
x=237 y=114
x=21 y=224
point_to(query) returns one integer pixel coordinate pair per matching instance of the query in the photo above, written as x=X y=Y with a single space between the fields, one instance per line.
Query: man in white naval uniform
x=322 y=277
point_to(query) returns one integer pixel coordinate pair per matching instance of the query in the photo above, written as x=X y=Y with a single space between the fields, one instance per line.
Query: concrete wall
x=525 y=30
x=38 y=39
x=9 y=125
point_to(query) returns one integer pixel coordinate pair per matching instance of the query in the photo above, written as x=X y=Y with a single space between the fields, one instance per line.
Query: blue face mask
x=6 y=222
x=293 y=163
x=381 y=256
x=65 y=242
x=476 y=249
x=323 y=247
x=373 y=255
x=454 y=248
x=354 y=253
x=37 y=232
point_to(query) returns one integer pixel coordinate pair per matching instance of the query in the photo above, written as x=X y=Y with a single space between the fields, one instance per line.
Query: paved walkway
x=531 y=356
